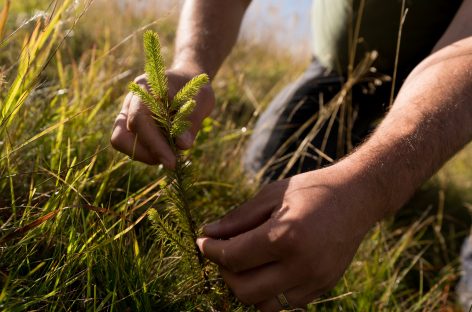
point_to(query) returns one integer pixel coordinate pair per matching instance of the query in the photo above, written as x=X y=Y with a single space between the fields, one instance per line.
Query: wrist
x=379 y=175
x=353 y=203
x=372 y=188
x=189 y=67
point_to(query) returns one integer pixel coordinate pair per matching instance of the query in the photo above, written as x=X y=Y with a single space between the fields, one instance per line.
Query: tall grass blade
x=4 y=18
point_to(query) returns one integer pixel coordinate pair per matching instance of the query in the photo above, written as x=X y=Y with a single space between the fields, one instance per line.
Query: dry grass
x=72 y=230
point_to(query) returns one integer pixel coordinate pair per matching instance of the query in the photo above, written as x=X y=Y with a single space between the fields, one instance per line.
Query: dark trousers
x=295 y=105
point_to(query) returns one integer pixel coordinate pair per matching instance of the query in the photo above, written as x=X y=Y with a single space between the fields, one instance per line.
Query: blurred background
x=285 y=22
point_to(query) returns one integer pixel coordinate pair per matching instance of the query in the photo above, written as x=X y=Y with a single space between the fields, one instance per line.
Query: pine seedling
x=171 y=117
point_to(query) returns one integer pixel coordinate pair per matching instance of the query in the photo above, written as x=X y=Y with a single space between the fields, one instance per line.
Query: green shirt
x=335 y=20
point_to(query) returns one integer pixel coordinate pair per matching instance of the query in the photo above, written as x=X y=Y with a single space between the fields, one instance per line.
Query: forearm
x=207 y=31
x=429 y=122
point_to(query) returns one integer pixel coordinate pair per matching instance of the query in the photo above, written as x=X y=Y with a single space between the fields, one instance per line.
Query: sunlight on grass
x=73 y=232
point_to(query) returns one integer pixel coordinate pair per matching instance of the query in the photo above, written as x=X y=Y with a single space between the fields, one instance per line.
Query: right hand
x=295 y=237
x=136 y=134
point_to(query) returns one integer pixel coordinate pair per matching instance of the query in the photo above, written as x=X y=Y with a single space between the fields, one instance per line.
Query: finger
x=260 y=284
x=248 y=216
x=140 y=122
x=297 y=297
x=125 y=141
x=126 y=103
x=205 y=104
x=240 y=253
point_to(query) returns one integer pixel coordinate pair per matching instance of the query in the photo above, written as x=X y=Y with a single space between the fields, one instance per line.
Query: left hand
x=296 y=237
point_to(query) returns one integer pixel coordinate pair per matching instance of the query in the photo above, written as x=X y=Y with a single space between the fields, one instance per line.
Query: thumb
x=244 y=218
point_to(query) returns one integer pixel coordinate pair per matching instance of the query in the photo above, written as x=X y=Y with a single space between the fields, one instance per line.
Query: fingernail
x=200 y=243
x=186 y=138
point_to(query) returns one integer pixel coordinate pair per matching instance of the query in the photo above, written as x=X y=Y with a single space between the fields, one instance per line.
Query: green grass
x=73 y=228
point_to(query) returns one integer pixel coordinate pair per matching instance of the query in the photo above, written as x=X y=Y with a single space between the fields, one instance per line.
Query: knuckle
x=286 y=238
x=132 y=122
x=135 y=117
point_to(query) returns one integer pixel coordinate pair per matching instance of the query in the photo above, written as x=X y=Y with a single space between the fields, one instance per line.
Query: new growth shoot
x=171 y=116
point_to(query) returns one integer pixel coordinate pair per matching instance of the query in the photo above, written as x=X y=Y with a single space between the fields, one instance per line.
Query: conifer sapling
x=171 y=116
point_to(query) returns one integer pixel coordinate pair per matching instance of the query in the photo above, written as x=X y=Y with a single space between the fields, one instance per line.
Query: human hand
x=296 y=237
x=136 y=134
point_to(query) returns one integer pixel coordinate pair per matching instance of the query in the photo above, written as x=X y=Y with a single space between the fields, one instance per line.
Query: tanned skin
x=206 y=34
x=298 y=235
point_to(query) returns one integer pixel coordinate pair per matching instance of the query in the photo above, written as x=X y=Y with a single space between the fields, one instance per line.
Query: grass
x=73 y=228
